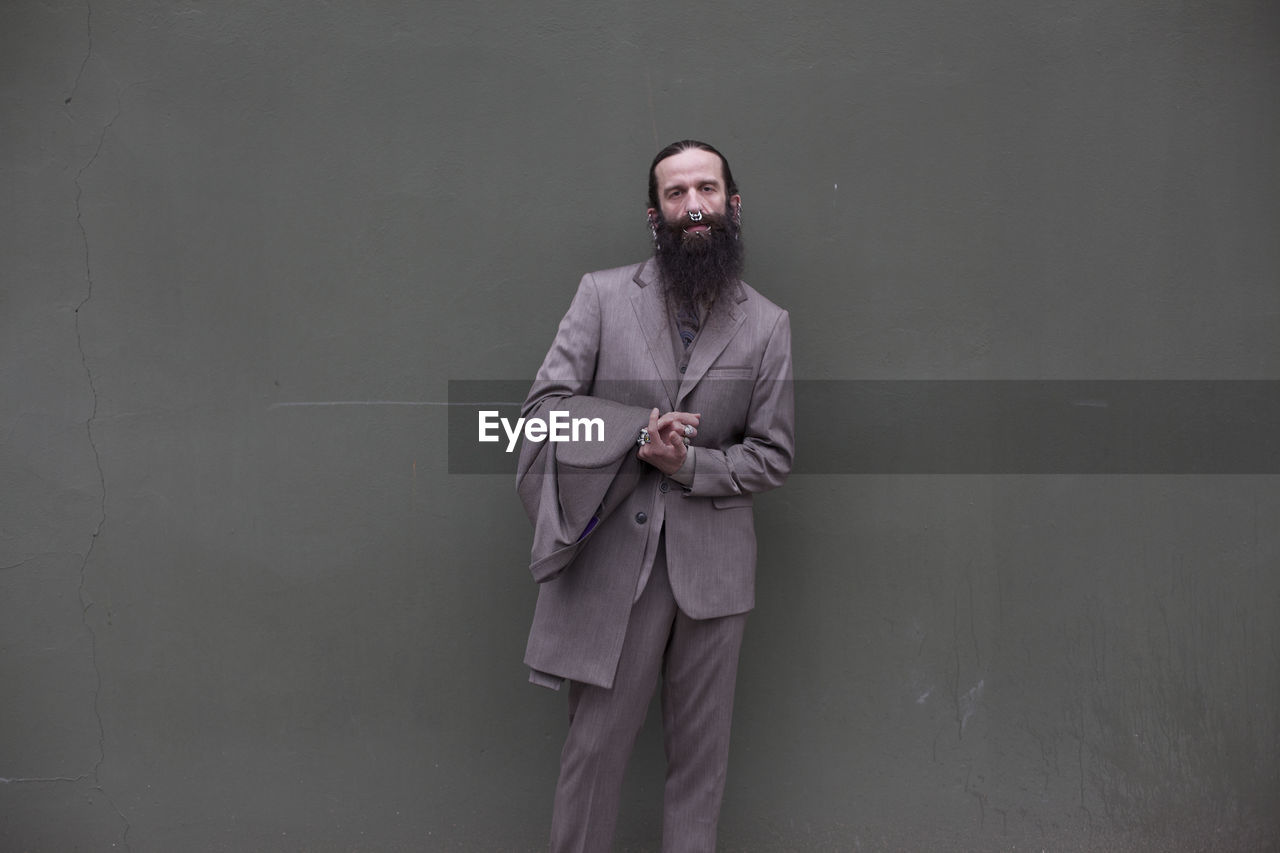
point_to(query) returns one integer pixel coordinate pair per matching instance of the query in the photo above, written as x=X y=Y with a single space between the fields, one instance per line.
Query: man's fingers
x=676 y=433
x=668 y=434
x=676 y=426
x=677 y=418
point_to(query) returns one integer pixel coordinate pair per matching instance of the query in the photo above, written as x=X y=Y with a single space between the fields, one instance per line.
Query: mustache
x=713 y=221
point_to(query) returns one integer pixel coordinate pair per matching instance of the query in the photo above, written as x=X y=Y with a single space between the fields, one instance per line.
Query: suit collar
x=647 y=278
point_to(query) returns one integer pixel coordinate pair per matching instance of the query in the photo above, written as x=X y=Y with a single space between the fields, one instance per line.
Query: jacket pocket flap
x=727 y=501
x=729 y=373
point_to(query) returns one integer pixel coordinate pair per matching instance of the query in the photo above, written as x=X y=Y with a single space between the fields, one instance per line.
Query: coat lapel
x=722 y=323
x=651 y=312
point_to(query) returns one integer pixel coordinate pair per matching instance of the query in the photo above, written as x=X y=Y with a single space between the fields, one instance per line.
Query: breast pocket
x=729 y=372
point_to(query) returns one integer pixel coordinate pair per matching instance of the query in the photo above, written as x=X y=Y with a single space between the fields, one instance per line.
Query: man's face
x=691 y=193
x=695 y=231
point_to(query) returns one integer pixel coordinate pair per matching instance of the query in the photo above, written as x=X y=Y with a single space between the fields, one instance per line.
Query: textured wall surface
x=244 y=606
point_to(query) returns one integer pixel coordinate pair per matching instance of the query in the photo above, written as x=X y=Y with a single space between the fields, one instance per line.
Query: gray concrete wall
x=231 y=624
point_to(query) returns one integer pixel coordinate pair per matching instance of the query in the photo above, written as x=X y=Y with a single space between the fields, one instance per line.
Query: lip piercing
x=695 y=216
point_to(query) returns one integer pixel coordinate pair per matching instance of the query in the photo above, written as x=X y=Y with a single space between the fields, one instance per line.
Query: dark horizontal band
x=974 y=426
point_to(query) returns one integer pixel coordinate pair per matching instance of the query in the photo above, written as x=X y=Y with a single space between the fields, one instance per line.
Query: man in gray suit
x=644 y=545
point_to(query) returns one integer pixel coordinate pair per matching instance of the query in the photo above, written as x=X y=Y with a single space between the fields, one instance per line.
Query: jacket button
x=664 y=487
x=641 y=518
x=683 y=368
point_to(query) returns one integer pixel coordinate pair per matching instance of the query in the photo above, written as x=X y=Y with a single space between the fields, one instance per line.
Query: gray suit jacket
x=597 y=509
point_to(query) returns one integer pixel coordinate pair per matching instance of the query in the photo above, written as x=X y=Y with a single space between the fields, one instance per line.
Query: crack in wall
x=85 y=603
x=88 y=28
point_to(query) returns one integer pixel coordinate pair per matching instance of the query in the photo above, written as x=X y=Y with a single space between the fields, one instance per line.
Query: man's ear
x=735 y=203
x=653 y=217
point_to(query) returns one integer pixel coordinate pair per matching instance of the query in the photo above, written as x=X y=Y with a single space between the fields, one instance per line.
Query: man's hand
x=666 y=448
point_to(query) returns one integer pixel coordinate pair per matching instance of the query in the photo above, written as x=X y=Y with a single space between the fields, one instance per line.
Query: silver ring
x=688 y=430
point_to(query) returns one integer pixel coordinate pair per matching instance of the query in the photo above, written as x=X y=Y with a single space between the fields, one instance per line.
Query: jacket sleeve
x=568 y=487
x=762 y=460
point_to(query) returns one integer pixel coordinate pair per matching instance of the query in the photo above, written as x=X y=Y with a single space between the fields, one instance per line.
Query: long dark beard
x=698 y=267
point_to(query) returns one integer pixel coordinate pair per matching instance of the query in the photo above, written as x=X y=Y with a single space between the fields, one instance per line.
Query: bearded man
x=644 y=543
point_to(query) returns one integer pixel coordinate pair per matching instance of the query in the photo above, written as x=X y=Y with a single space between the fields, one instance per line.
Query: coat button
x=641 y=518
x=664 y=487
x=683 y=368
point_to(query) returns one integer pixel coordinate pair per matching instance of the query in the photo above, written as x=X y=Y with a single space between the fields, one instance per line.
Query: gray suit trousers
x=698 y=662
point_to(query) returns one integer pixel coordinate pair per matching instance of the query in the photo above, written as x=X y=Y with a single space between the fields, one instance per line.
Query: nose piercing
x=695 y=216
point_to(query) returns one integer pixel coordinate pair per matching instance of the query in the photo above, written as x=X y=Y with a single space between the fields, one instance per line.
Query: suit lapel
x=651 y=312
x=722 y=323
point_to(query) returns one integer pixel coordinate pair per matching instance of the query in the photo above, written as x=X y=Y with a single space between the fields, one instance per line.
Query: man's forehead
x=690 y=165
